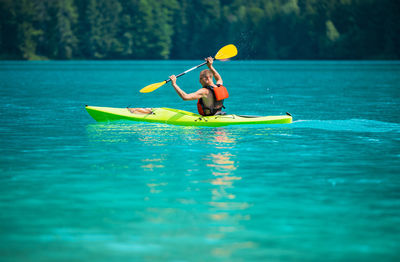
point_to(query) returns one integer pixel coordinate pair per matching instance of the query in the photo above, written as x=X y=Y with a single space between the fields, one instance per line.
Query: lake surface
x=325 y=188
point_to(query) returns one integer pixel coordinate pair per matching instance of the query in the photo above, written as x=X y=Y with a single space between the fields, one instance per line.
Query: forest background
x=184 y=29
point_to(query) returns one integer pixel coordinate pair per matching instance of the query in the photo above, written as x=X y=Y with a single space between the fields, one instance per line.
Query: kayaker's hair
x=205 y=72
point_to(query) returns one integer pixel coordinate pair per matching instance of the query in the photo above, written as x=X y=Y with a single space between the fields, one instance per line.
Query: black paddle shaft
x=187 y=71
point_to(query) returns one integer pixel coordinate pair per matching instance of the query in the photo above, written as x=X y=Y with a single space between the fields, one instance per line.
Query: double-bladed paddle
x=225 y=52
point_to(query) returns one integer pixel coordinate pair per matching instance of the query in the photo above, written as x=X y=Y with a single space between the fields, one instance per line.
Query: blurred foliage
x=190 y=29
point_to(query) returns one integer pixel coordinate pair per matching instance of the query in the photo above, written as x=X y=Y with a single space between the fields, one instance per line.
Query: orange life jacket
x=219 y=93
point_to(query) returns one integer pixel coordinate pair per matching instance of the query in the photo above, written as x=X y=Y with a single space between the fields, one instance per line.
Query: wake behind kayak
x=180 y=117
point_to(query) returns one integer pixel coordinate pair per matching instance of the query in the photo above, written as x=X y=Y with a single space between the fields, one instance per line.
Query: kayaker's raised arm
x=192 y=96
x=217 y=76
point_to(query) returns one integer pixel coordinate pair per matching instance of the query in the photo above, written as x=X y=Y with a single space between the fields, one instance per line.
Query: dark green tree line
x=187 y=29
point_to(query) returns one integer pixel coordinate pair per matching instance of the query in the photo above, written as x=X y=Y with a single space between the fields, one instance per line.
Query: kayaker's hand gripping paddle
x=225 y=52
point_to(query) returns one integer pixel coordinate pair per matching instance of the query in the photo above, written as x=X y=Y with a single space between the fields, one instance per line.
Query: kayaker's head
x=206 y=78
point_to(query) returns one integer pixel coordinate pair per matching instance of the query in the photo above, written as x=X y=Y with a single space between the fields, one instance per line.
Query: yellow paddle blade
x=152 y=87
x=226 y=52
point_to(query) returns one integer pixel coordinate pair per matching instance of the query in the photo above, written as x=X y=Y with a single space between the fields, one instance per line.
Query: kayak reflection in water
x=210 y=97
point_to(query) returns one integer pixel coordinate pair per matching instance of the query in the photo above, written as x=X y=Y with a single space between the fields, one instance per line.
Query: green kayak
x=180 y=117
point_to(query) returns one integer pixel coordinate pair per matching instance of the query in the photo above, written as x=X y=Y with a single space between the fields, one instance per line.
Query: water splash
x=350 y=125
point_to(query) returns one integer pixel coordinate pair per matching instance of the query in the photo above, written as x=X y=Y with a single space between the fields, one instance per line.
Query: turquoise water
x=325 y=188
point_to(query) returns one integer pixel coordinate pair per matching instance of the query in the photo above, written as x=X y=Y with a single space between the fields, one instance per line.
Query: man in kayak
x=207 y=96
x=210 y=97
